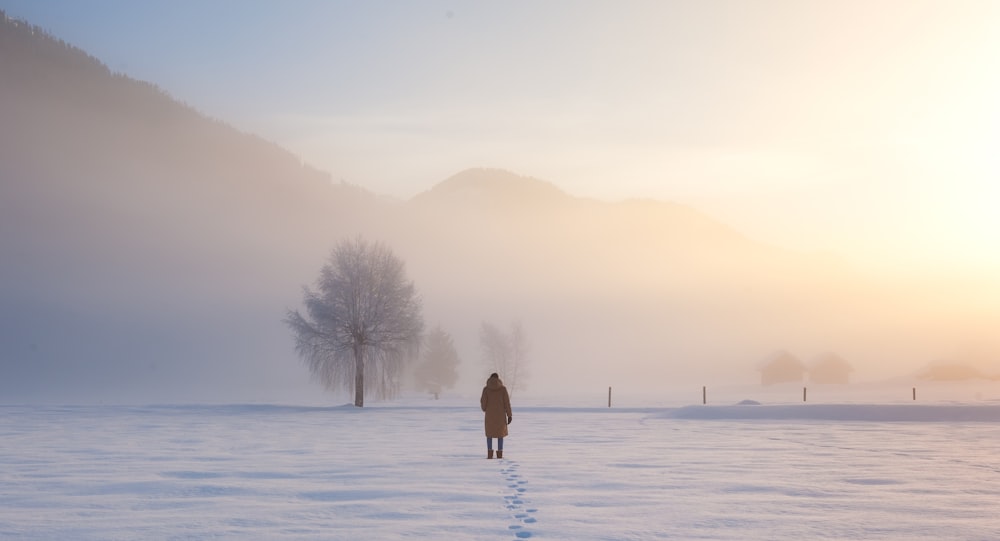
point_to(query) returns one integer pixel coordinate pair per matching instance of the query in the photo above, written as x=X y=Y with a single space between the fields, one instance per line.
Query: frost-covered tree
x=438 y=368
x=363 y=321
x=505 y=353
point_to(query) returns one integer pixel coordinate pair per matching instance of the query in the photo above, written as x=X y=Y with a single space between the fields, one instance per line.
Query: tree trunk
x=359 y=375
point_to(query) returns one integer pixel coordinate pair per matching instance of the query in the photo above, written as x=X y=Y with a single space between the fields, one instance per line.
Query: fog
x=150 y=254
x=644 y=294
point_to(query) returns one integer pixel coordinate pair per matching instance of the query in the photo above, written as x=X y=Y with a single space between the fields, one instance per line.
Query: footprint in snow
x=515 y=502
x=526 y=517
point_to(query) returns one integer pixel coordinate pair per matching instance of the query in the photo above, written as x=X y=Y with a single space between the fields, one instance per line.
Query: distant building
x=782 y=367
x=952 y=371
x=830 y=368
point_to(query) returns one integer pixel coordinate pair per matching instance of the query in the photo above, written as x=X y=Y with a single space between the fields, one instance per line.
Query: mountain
x=481 y=190
x=650 y=245
x=616 y=290
x=134 y=227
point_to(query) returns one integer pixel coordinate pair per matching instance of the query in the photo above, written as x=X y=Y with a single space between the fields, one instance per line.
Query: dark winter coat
x=496 y=404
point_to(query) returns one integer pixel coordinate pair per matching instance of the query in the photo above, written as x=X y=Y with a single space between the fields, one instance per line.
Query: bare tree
x=505 y=352
x=517 y=370
x=363 y=318
x=439 y=368
x=493 y=342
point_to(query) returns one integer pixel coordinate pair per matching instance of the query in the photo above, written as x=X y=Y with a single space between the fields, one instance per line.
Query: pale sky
x=866 y=128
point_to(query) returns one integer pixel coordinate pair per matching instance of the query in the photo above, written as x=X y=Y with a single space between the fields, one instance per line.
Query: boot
x=489 y=453
x=500 y=454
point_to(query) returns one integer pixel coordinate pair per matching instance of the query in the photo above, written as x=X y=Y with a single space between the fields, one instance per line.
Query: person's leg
x=499 y=447
x=489 y=447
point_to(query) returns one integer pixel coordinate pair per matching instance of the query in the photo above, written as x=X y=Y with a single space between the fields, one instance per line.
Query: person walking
x=495 y=402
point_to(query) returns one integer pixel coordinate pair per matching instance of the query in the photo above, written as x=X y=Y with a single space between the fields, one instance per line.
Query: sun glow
x=955 y=163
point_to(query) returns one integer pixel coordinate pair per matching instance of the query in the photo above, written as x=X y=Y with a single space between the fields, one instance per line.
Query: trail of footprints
x=523 y=515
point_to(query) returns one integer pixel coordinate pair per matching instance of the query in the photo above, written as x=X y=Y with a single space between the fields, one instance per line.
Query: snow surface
x=416 y=469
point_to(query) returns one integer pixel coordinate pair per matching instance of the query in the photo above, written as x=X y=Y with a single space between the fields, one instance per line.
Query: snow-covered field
x=416 y=469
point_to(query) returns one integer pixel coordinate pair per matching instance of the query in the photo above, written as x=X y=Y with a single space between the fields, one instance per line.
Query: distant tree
x=363 y=319
x=496 y=350
x=517 y=371
x=438 y=368
x=505 y=352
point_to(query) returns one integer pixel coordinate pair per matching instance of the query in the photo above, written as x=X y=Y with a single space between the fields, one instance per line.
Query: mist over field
x=151 y=250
